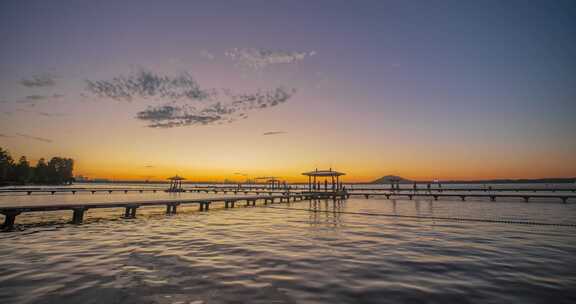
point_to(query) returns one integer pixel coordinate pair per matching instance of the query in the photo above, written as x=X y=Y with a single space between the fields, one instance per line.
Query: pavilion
x=315 y=176
x=175 y=184
x=272 y=182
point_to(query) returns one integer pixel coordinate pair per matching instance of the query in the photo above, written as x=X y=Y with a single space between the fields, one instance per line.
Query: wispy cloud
x=273 y=133
x=39 y=80
x=183 y=101
x=207 y=54
x=42 y=139
x=148 y=84
x=168 y=116
x=149 y=166
x=42 y=113
x=50 y=114
x=34 y=99
x=172 y=115
x=258 y=59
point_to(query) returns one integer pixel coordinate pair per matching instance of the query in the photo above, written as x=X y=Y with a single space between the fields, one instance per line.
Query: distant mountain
x=391 y=178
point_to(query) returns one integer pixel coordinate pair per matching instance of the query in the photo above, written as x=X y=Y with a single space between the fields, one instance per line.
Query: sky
x=215 y=90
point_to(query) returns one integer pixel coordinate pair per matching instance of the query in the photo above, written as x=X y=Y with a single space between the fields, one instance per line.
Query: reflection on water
x=301 y=252
x=326 y=212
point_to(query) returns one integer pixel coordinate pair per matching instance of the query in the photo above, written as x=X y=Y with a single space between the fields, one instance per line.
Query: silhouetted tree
x=60 y=170
x=57 y=171
x=23 y=172
x=6 y=164
x=41 y=172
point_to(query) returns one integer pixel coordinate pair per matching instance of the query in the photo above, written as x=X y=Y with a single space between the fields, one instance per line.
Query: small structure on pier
x=315 y=176
x=272 y=182
x=175 y=184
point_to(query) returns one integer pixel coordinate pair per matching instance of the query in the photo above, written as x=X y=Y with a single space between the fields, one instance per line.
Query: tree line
x=58 y=170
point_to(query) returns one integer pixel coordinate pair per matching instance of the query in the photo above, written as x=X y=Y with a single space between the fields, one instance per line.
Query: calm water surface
x=290 y=254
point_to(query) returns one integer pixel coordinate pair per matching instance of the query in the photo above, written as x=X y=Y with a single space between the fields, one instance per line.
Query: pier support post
x=78 y=215
x=366 y=195
x=171 y=209
x=10 y=219
x=463 y=198
x=493 y=198
x=435 y=197
x=526 y=198
x=130 y=212
x=133 y=213
x=564 y=199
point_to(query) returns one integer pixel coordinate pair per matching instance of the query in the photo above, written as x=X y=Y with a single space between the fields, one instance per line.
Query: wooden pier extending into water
x=79 y=209
x=260 y=190
x=492 y=196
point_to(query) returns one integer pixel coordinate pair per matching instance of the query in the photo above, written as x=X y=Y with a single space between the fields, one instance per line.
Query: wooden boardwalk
x=492 y=196
x=135 y=190
x=468 y=189
x=79 y=209
x=419 y=189
x=260 y=190
x=266 y=196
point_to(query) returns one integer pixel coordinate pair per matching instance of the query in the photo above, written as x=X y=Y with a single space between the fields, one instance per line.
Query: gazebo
x=175 y=184
x=316 y=175
x=271 y=181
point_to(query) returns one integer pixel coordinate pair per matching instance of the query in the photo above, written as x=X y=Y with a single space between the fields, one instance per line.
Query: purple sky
x=419 y=88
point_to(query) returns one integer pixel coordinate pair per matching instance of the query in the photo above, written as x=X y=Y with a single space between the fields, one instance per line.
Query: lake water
x=351 y=251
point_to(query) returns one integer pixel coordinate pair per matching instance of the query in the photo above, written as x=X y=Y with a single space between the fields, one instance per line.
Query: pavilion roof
x=176 y=177
x=323 y=173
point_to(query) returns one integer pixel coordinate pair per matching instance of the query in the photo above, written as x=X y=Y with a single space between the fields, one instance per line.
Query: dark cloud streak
x=39 y=80
x=273 y=133
x=42 y=139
